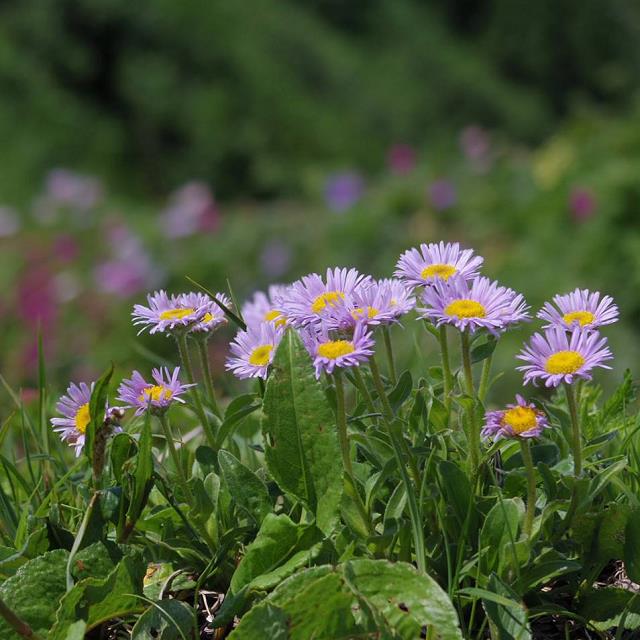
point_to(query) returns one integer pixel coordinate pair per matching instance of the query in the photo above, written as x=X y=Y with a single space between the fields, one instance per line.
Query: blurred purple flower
x=475 y=143
x=66 y=248
x=401 y=159
x=191 y=208
x=275 y=259
x=442 y=194
x=130 y=270
x=9 y=223
x=343 y=190
x=582 y=203
x=67 y=188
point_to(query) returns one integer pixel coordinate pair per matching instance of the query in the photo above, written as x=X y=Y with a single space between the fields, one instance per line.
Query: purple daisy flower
x=519 y=420
x=265 y=307
x=213 y=317
x=580 y=308
x=382 y=302
x=308 y=299
x=156 y=396
x=479 y=304
x=434 y=262
x=168 y=313
x=74 y=406
x=329 y=353
x=252 y=351
x=558 y=356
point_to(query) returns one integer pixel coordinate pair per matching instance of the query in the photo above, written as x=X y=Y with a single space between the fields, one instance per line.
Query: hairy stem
x=531 y=486
x=446 y=368
x=389 y=350
x=576 y=443
x=474 y=429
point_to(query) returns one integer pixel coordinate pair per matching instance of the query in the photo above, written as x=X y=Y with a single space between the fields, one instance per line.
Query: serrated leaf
x=302 y=449
x=246 y=489
x=34 y=592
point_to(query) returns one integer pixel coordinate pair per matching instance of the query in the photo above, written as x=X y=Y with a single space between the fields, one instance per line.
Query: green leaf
x=484 y=350
x=165 y=620
x=510 y=621
x=278 y=541
x=401 y=391
x=632 y=546
x=246 y=489
x=456 y=489
x=123 y=448
x=97 y=600
x=302 y=450
x=34 y=592
x=96 y=561
x=499 y=532
x=361 y=598
x=97 y=404
x=142 y=476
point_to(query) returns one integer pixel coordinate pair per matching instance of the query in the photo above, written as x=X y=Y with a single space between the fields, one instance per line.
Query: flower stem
x=168 y=435
x=474 y=430
x=183 y=350
x=398 y=443
x=208 y=378
x=531 y=486
x=575 y=426
x=485 y=376
x=446 y=368
x=389 y=349
x=362 y=388
x=341 y=420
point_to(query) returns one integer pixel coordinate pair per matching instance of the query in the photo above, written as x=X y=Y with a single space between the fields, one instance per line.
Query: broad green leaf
x=483 y=351
x=246 y=489
x=632 y=546
x=95 y=561
x=606 y=603
x=34 y=592
x=165 y=620
x=142 y=475
x=401 y=391
x=123 y=447
x=510 y=622
x=278 y=541
x=499 y=532
x=76 y=631
x=96 y=600
x=456 y=489
x=361 y=598
x=302 y=449
x=611 y=535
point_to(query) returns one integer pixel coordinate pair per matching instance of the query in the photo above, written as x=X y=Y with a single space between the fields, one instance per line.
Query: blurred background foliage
x=257 y=141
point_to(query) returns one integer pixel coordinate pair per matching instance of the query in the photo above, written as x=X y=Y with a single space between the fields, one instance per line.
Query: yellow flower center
x=564 y=362
x=176 y=314
x=208 y=317
x=465 y=308
x=520 y=419
x=442 y=271
x=155 y=393
x=276 y=315
x=82 y=418
x=329 y=298
x=261 y=355
x=583 y=317
x=361 y=312
x=335 y=348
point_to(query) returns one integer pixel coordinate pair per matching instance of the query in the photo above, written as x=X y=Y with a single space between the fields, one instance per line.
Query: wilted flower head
x=329 y=352
x=557 y=356
x=478 y=304
x=169 y=313
x=156 y=396
x=433 y=262
x=519 y=420
x=265 y=307
x=442 y=194
x=343 y=190
x=74 y=407
x=308 y=299
x=379 y=302
x=252 y=351
x=581 y=308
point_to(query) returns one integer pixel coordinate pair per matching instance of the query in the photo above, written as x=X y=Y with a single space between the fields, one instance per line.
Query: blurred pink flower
x=401 y=159
x=343 y=190
x=191 y=208
x=66 y=248
x=582 y=203
x=67 y=188
x=442 y=194
x=275 y=259
x=475 y=142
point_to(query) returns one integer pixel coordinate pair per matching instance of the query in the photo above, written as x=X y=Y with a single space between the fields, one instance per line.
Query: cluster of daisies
x=337 y=316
